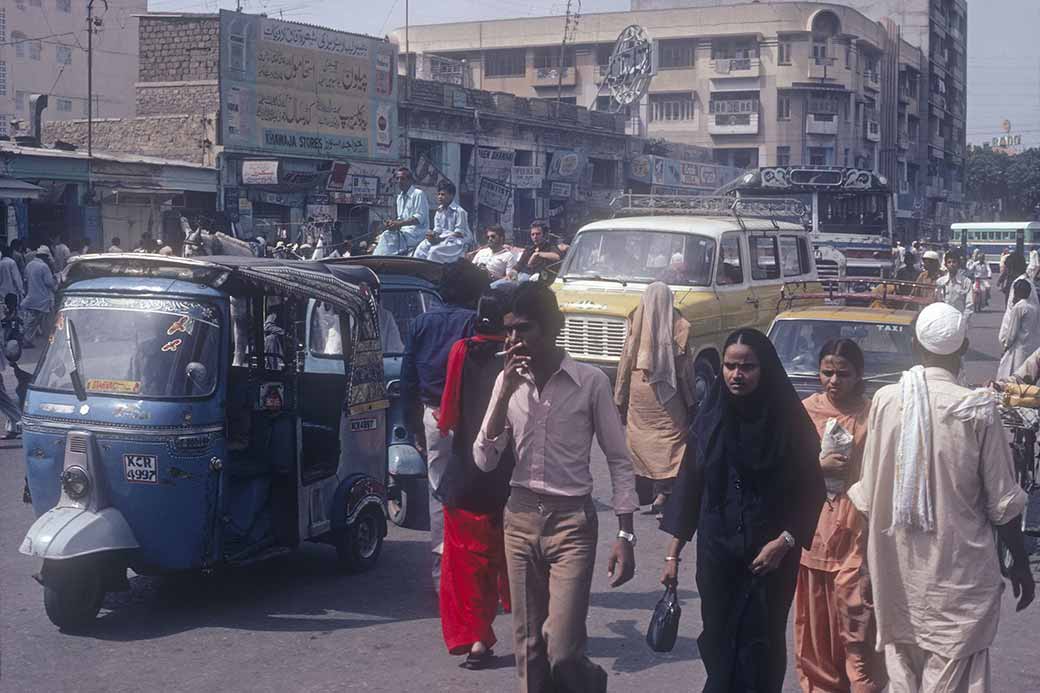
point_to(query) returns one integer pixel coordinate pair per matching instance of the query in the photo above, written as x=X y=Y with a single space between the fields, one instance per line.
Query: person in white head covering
x=937 y=478
x=39 y=295
x=654 y=389
x=1020 y=328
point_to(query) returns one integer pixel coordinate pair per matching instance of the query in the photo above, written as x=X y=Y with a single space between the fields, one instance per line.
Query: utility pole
x=407 y=56
x=563 y=52
x=92 y=23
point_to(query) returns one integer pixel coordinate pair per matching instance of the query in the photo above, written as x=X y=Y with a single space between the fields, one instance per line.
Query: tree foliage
x=991 y=176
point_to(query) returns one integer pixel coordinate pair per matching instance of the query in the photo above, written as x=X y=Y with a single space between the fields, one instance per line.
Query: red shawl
x=450 y=400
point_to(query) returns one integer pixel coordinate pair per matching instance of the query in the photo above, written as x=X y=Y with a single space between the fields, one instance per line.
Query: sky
x=1003 y=41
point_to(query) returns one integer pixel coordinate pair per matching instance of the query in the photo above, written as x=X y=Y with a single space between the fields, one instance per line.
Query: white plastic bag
x=836 y=441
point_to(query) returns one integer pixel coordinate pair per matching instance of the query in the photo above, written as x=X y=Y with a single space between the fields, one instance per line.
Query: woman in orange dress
x=834 y=618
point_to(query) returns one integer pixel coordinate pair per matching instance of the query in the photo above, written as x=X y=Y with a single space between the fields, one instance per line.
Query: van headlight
x=76 y=482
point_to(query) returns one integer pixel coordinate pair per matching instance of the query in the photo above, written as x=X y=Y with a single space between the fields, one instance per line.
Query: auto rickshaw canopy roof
x=346 y=288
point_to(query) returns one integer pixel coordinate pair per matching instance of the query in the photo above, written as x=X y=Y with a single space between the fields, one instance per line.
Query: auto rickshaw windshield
x=146 y=347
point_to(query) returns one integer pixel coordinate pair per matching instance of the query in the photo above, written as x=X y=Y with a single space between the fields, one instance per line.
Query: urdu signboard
x=301 y=90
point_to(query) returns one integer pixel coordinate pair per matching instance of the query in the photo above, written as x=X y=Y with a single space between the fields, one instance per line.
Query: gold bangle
x=673 y=558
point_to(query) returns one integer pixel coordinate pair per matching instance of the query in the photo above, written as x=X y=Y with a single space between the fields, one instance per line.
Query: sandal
x=476 y=662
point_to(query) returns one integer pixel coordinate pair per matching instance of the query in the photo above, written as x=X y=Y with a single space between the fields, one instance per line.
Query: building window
x=819 y=156
x=4 y=120
x=21 y=98
x=783 y=56
x=734 y=49
x=783 y=107
x=64 y=105
x=20 y=44
x=846 y=157
x=3 y=78
x=549 y=58
x=603 y=53
x=783 y=156
x=35 y=49
x=604 y=173
x=63 y=6
x=3 y=25
x=508 y=63
x=848 y=57
x=63 y=55
x=664 y=107
x=676 y=54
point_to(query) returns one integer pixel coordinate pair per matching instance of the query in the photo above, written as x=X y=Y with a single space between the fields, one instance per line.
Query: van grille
x=596 y=337
x=78 y=443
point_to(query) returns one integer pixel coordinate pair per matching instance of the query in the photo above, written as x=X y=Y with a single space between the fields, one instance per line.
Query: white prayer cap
x=678 y=258
x=931 y=255
x=941 y=329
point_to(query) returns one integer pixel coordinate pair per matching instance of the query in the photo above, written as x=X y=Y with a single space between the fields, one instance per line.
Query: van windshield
x=141 y=347
x=642 y=256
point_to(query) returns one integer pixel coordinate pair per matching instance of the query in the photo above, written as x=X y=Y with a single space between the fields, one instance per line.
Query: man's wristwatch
x=788 y=539
x=627 y=536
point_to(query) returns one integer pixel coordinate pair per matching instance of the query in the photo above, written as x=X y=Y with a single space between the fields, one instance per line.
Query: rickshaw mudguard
x=67 y=532
x=405 y=460
x=355 y=493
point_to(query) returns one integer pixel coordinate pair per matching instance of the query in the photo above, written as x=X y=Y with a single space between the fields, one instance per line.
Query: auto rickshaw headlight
x=76 y=482
x=393 y=388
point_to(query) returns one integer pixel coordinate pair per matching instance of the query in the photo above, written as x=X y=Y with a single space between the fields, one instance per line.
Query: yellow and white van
x=726 y=272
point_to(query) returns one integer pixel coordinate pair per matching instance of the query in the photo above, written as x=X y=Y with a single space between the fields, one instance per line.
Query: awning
x=13 y=189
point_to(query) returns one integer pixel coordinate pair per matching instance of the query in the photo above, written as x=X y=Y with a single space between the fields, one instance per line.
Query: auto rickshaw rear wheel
x=359 y=544
x=73 y=590
x=408 y=503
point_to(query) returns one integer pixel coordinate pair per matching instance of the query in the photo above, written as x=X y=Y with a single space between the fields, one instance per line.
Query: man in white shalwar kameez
x=937 y=478
x=450 y=237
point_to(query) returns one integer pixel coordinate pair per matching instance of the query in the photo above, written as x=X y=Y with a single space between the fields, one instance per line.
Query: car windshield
x=642 y=256
x=886 y=346
x=142 y=347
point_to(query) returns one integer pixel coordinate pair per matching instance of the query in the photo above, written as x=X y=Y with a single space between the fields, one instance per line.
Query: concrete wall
x=178 y=137
x=179 y=49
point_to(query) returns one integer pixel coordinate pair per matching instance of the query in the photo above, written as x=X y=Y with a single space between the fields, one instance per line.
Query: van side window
x=765 y=263
x=794 y=256
x=731 y=270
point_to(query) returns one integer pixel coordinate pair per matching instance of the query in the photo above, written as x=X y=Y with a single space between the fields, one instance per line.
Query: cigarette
x=501 y=353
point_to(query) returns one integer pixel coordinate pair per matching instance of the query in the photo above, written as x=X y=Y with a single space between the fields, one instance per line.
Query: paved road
x=295 y=624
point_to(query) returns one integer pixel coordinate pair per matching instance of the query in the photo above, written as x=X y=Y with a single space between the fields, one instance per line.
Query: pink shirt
x=553 y=430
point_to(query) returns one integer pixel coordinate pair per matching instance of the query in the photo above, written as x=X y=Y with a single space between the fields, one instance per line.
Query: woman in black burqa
x=750 y=486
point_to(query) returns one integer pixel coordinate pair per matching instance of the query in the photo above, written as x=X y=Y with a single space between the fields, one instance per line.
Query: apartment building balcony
x=821 y=124
x=550 y=76
x=958 y=73
x=872 y=130
x=903 y=140
x=955 y=31
x=736 y=67
x=872 y=81
x=938 y=100
x=733 y=124
x=823 y=68
x=936 y=188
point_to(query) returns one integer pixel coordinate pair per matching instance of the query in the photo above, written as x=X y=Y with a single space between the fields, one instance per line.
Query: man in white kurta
x=932 y=504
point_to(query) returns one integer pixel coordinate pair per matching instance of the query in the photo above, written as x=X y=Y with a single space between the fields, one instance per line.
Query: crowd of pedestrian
x=875 y=520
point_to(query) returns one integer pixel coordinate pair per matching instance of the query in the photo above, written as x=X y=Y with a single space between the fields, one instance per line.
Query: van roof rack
x=629 y=204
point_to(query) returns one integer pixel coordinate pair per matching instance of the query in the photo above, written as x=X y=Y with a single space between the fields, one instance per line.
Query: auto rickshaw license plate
x=142 y=469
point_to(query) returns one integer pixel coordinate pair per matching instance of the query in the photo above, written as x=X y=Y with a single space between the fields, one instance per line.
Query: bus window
x=794 y=256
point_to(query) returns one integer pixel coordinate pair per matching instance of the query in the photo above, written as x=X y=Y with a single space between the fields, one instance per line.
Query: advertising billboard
x=305 y=91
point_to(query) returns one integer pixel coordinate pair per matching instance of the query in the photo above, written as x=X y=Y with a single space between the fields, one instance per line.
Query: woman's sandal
x=476 y=662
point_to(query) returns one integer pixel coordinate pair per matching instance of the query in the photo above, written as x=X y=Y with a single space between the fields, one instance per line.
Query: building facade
x=939 y=28
x=43 y=50
x=766 y=84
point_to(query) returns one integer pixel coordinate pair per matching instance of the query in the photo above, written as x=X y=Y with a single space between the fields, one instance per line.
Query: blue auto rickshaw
x=408 y=287
x=179 y=420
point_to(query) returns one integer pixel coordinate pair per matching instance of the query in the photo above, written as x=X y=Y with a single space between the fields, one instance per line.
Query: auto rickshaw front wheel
x=408 y=503
x=359 y=544
x=73 y=590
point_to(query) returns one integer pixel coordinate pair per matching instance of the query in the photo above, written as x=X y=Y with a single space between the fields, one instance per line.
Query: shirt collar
x=406 y=193
x=941 y=374
x=570 y=367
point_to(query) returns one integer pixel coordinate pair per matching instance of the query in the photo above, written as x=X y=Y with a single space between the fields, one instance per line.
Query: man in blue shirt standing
x=403 y=234
x=424 y=369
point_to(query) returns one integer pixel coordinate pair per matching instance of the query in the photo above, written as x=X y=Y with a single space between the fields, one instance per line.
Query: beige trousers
x=915 y=670
x=550 y=544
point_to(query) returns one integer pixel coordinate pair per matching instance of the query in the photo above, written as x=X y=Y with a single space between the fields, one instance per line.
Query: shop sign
x=494 y=195
x=365 y=186
x=567 y=164
x=277 y=198
x=427 y=176
x=260 y=172
x=338 y=176
x=322 y=213
x=341 y=198
x=231 y=203
x=306 y=91
x=527 y=177
x=560 y=191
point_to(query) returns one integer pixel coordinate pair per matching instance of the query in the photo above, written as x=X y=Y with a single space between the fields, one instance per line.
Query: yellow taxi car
x=726 y=272
x=882 y=333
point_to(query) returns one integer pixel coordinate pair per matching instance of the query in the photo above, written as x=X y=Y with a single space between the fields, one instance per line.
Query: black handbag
x=664 y=624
